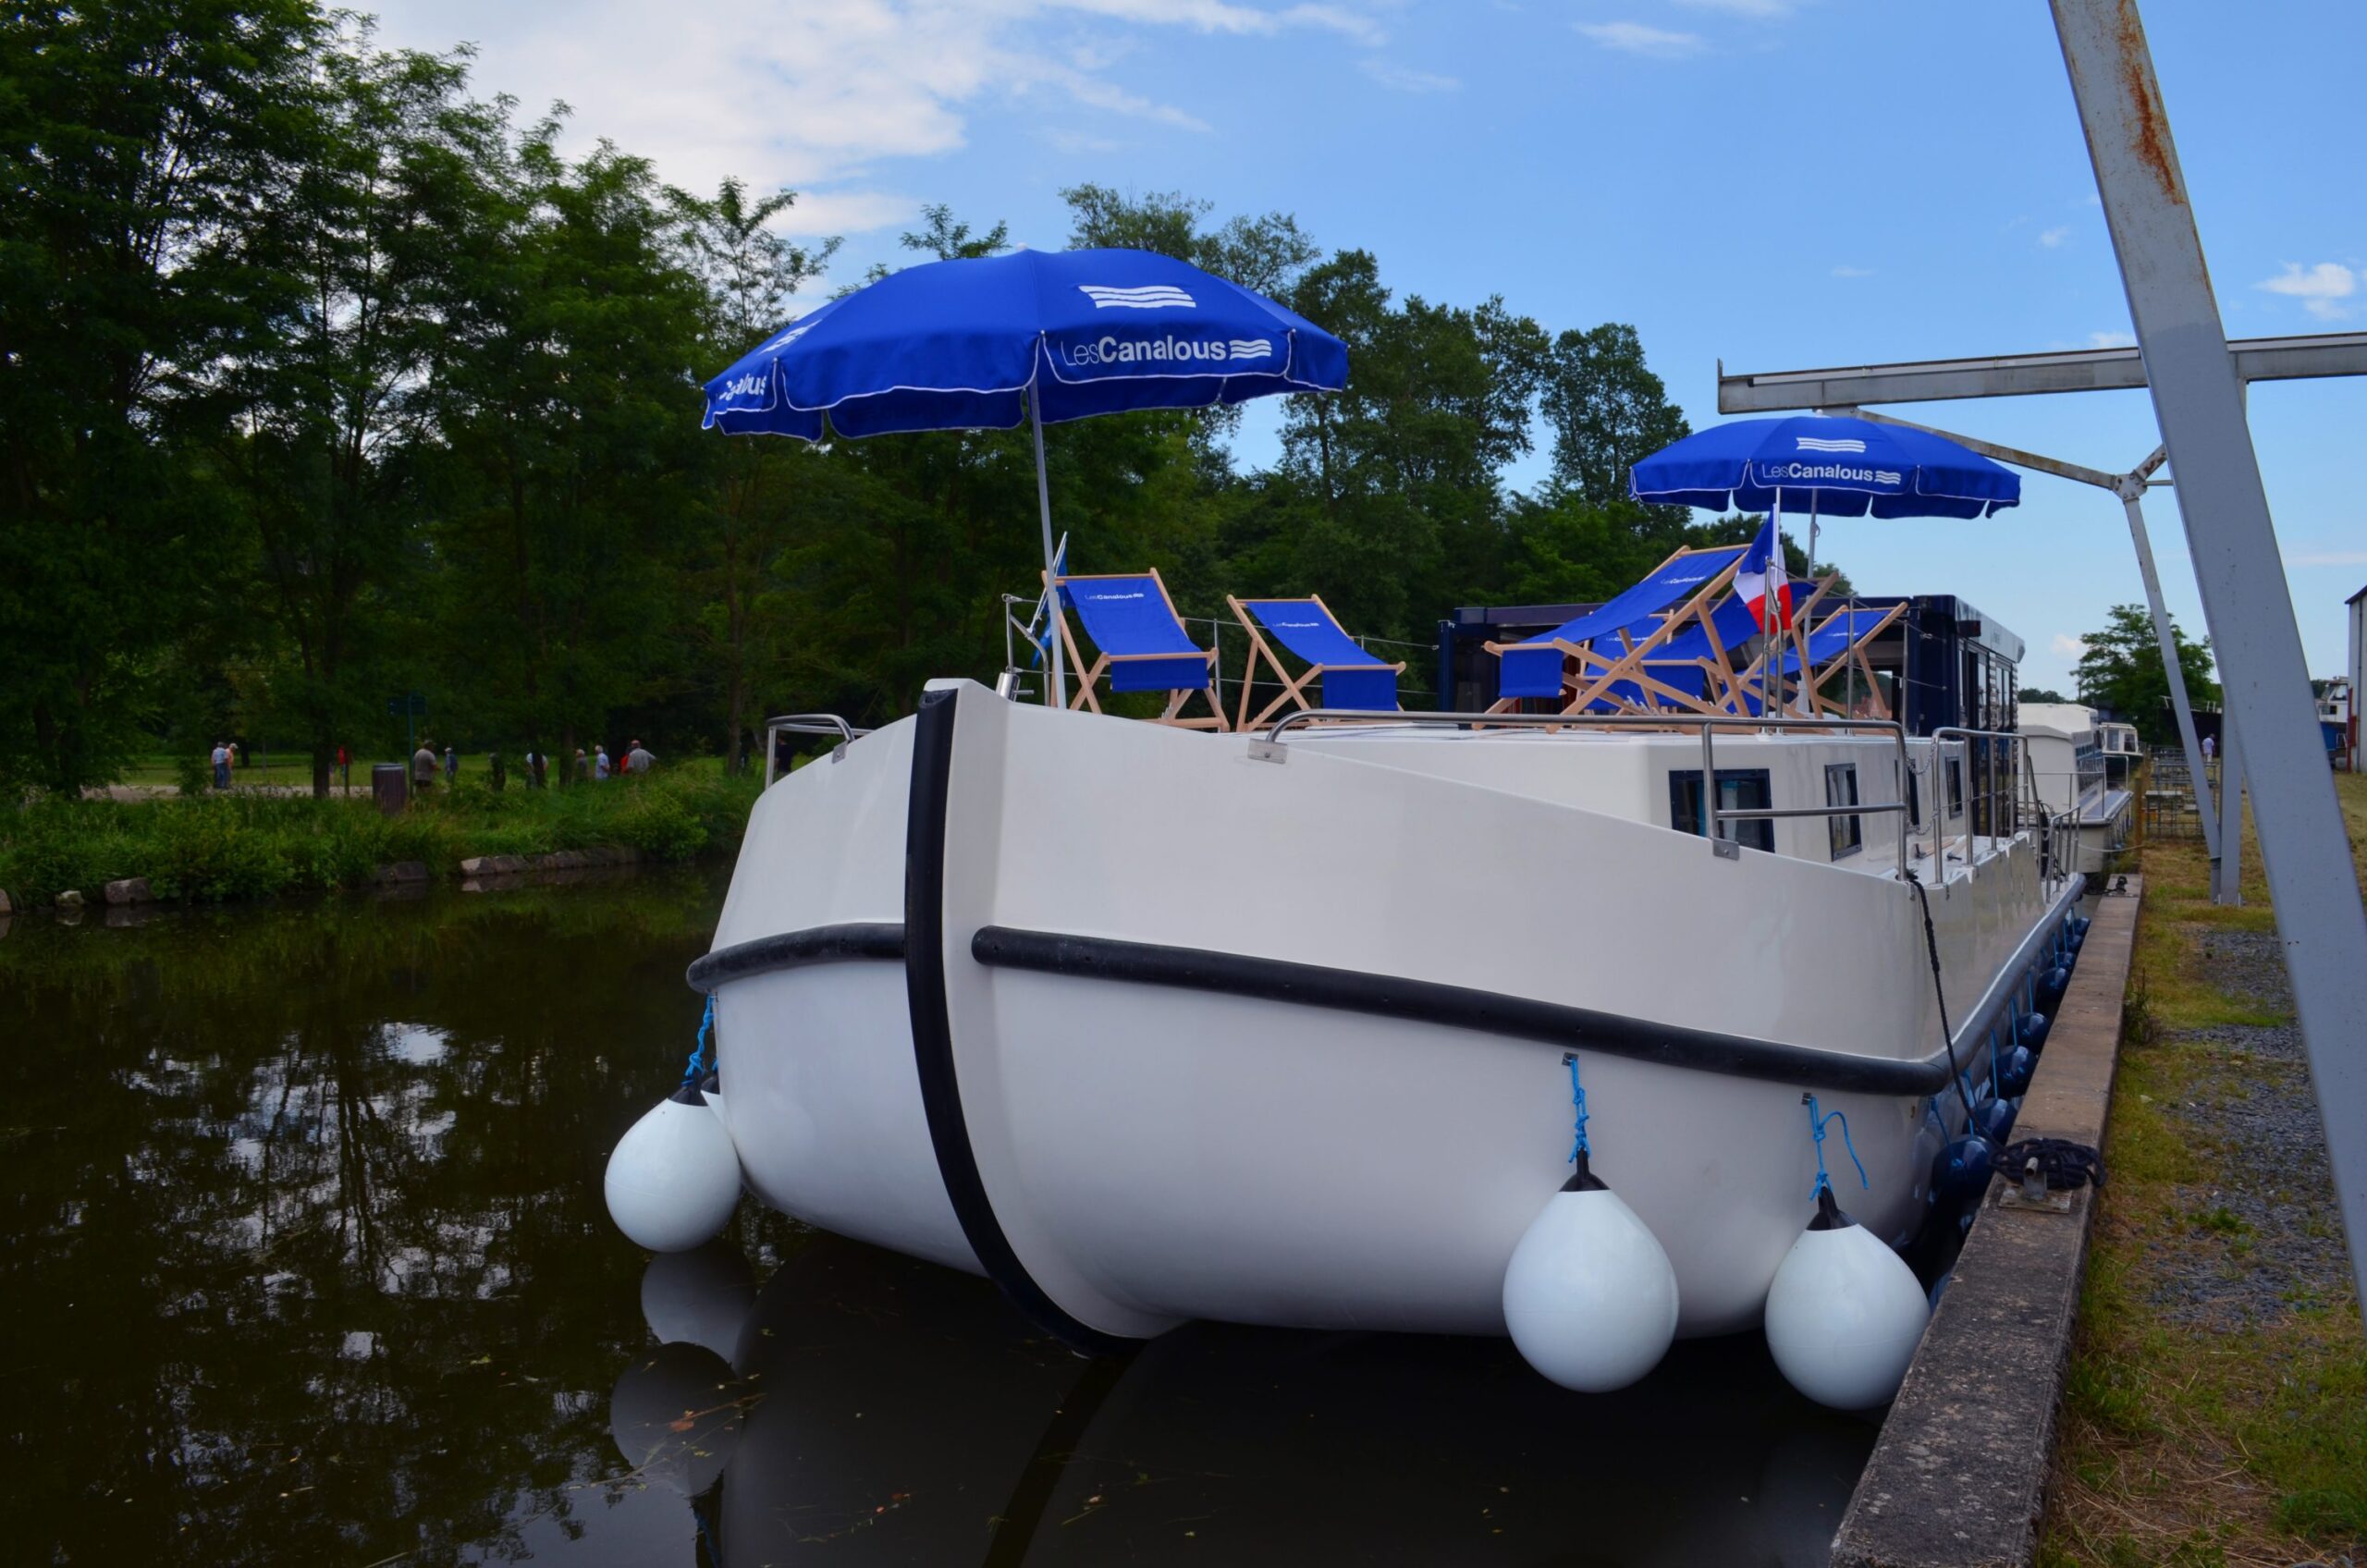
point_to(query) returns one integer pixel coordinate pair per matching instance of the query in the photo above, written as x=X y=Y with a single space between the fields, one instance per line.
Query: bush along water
x=209 y=848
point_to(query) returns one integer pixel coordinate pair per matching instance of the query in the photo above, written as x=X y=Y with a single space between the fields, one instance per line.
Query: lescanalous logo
x=1166 y=349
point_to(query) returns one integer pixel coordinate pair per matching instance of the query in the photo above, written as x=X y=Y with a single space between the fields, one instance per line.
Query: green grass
x=2199 y=1442
x=243 y=845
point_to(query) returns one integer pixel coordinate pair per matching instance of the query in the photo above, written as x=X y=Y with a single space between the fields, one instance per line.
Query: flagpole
x=1051 y=561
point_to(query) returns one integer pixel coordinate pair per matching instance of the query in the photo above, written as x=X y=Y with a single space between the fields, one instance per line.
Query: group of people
x=425 y=764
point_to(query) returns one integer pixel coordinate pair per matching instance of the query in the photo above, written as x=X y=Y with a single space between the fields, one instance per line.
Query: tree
x=750 y=272
x=326 y=410
x=2120 y=671
x=2043 y=695
x=1607 y=410
x=568 y=406
x=1399 y=476
x=143 y=145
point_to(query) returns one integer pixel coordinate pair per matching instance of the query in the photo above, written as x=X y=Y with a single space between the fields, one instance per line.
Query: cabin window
x=1739 y=789
x=1956 y=787
x=1841 y=790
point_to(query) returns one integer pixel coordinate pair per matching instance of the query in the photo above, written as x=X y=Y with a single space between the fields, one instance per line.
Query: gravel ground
x=2266 y=1235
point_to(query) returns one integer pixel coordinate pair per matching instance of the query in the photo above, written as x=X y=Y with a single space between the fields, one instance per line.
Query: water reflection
x=306 y=1261
x=895 y=1413
x=307 y=1264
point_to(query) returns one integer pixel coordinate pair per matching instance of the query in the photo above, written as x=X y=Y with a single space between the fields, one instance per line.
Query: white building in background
x=2357 y=672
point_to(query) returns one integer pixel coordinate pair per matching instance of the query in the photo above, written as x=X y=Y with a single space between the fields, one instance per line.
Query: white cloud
x=1853 y=272
x=2067 y=646
x=811 y=95
x=2322 y=288
x=1763 y=11
x=2053 y=237
x=2328 y=557
x=1634 y=38
x=2112 y=340
x=1403 y=78
x=846 y=212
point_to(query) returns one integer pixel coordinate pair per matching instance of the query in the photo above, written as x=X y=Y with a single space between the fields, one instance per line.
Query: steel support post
x=2245 y=601
x=2228 y=871
x=2131 y=499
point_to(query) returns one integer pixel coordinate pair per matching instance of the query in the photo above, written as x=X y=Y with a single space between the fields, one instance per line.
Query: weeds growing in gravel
x=2190 y=1437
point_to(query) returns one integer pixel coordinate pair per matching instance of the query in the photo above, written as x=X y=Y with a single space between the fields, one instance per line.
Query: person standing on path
x=451 y=766
x=582 y=767
x=422 y=768
x=345 y=766
x=221 y=764
x=535 y=764
x=600 y=762
x=639 y=761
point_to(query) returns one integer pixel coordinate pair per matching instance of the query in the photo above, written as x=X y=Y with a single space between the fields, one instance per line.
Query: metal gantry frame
x=2130 y=488
x=2196 y=379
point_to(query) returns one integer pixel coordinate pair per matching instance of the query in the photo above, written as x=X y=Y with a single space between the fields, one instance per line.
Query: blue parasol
x=1824 y=465
x=985 y=343
x=1834 y=466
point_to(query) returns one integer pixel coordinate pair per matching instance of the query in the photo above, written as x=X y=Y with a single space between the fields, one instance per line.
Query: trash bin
x=390 y=787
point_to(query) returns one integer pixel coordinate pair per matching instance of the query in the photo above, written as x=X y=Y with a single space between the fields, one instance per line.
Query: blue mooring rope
x=1816 y=1126
x=695 y=1069
x=1578 y=1144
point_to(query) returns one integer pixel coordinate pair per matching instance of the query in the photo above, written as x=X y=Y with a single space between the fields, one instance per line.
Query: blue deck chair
x=1349 y=677
x=1837 y=644
x=1141 y=642
x=1678 y=591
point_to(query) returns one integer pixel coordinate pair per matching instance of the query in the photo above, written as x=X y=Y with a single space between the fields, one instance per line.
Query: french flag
x=1760 y=580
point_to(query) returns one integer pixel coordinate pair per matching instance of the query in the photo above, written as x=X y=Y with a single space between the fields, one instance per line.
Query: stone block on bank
x=129 y=890
x=70 y=899
x=401 y=871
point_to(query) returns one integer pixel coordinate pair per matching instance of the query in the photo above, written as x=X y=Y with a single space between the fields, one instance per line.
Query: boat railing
x=807 y=724
x=1713 y=816
x=2007 y=789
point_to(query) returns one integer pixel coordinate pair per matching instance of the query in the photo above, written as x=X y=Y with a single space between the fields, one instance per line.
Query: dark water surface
x=305 y=1262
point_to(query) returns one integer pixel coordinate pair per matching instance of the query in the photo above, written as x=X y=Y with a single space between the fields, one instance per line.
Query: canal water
x=305 y=1261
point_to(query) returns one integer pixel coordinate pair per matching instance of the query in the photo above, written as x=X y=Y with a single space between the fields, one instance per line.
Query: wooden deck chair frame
x=1592 y=685
x=1855 y=654
x=1586 y=684
x=1294 y=691
x=1085 y=697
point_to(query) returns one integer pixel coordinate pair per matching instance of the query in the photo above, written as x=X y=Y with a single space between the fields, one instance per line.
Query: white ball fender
x=700 y=1297
x=674 y=1178
x=1845 y=1314
x=1589 y=1296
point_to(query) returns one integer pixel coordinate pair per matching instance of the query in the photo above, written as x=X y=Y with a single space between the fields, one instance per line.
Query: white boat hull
x=1154 y=1136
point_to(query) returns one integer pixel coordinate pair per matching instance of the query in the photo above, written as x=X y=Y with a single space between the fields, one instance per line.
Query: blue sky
x=1779 y=183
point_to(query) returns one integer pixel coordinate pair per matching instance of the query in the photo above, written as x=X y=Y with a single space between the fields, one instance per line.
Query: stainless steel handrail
x=1993 y=794
x=809 y=724
x=1712 y=815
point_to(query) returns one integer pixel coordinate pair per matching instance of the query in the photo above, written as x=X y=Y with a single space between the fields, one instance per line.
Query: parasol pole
x=1051 y=570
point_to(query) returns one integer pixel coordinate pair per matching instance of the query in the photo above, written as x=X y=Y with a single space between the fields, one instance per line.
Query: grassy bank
x=244 y=845
x=2216 y=1410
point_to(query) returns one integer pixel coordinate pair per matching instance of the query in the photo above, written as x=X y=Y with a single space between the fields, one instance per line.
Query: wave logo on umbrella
x=1149 y=297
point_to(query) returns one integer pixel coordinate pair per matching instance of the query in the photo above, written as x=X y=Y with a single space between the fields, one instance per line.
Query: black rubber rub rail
x=856 y=940
x=1388 y=996
x=948 y=1130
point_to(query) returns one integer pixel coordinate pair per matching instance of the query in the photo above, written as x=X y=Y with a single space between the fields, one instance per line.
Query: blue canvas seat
x=1837 y=644
x=1585 y=660
x=1140 y=645
x=1346 y=676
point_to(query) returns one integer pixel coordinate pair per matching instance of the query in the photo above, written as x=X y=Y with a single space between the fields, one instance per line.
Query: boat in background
x=2067 y=755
